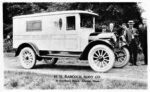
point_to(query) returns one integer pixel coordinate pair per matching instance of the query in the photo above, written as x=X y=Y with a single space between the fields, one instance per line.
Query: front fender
x=84 y=55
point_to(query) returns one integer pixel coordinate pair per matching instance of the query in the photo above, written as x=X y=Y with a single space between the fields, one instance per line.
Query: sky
x=145 y=8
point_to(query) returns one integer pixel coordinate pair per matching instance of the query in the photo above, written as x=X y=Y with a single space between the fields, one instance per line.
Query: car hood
x=97 y=35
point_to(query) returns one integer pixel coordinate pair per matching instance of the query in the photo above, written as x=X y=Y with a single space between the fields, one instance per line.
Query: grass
x=28 y=80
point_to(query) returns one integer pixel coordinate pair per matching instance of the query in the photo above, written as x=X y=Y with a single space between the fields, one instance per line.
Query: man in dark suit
x=132 y=41
x=143 y=40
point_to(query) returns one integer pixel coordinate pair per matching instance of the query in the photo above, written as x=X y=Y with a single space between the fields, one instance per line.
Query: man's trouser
x=133 y=52
x=144 y=47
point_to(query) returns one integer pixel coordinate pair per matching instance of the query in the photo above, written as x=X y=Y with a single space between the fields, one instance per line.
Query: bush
x=8 y=45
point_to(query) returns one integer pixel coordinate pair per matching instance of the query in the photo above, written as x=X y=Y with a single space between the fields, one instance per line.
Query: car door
x=57 y=39
x=71 y=33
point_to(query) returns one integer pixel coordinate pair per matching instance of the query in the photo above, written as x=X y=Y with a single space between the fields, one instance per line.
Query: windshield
x=86 y=21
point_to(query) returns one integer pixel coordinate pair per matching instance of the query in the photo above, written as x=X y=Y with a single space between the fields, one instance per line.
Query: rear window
x=34 y=25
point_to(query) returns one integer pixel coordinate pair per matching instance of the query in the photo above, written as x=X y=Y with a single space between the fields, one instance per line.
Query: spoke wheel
x=51 y=61
x=27 y=58
x=122 y=57
x=101 y=58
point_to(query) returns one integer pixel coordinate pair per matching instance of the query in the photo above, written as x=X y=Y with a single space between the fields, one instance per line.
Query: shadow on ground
x=64 y=67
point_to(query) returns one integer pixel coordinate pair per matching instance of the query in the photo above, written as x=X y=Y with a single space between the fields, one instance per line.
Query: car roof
x=58 y=13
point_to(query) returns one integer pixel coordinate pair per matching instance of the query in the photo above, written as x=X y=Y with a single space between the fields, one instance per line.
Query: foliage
x=112 y=12
x=8 y=45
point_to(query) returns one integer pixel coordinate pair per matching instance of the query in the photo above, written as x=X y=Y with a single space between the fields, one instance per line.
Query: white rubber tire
x=106 y=65
x=124 y=61
x=27 y=58
x=51 y=61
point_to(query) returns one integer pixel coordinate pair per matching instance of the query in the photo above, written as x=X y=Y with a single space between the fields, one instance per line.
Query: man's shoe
x=130 y=64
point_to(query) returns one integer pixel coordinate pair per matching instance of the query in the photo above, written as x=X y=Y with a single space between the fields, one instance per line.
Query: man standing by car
x=131 y=39
x=143 y=40
x=111 y=27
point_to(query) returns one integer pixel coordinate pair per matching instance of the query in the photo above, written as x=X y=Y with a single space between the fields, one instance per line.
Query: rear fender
x=31 y=45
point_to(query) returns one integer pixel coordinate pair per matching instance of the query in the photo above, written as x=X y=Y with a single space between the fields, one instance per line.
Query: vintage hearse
x=72 y=34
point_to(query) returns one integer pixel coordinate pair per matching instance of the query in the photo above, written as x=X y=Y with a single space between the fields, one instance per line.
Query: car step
x=60 y=55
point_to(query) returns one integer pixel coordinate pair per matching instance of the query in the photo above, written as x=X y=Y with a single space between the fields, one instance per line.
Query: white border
x=146 y=6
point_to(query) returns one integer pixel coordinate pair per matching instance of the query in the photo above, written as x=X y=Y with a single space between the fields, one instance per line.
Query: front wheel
x=27 y=58
x=101 y=58
x=122 y=57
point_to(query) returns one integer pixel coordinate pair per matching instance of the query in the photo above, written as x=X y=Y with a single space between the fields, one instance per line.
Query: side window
x=34 y=25
x=71 y=23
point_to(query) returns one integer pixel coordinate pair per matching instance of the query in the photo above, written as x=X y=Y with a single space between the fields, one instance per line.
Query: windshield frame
x=93 y=21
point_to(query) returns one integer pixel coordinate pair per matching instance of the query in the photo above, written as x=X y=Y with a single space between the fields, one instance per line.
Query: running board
x=60 y=55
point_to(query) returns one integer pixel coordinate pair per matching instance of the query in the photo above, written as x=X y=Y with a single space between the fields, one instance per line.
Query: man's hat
x=131 y=22
x=103 y=26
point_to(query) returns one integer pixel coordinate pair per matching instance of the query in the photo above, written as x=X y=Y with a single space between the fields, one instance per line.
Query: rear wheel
x=51 y=61
x=27 y=58
x=122 y=57
x=101 y=58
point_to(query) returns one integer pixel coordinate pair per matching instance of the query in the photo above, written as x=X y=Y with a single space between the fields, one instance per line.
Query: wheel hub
x=100 y=58
x=27 y=57
x=120 y=55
